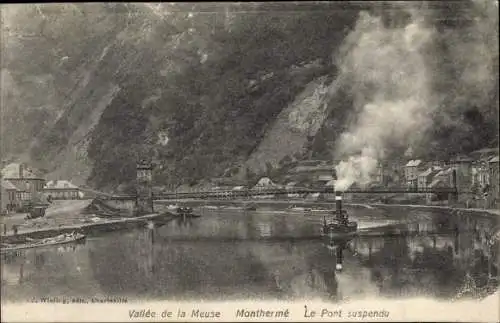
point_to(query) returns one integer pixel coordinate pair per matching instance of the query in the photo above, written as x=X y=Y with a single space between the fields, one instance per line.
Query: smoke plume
x=399 y=83
x=388 y=78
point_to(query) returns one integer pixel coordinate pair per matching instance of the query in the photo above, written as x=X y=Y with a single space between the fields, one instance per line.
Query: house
x=445 y=176
x=484 y=154
x=291 y=186
x=9 y=197
x=15 y=196
x=480 y=173
x=62 y=190
x=443 y=179
x=412 y=169
x=493 y=196
x=27 y=180
x=391 y=172
x=425 y=181
x=426 y=177
x=323 y=180
x=313 y=197
x=316 y=174
x=265 y=182
x=225 y=183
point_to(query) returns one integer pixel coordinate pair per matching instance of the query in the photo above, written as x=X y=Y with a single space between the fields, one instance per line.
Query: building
x=62 y=190
x=291 y=186
x=462 y=166
x=444 y=177
x=15 y=196
x=226 y=183
x=391 y=172
x=412 y=169
x=10 y=198
x=484 y=154
x=265 y=182
x=144 y=188
x=318 y=174
x=26 y=180
x=323 y=180
x=426 y=177
x=425 y=180
x=480 y=173
x=493 y=196
x=388 y=172
x=378 y=176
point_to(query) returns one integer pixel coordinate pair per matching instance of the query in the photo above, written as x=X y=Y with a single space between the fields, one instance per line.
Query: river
x=267 y=254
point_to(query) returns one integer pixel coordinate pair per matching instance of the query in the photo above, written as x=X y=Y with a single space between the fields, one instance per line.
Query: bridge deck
x=281 y=191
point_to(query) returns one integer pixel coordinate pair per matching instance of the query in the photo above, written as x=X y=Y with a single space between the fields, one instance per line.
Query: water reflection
x=231 y=256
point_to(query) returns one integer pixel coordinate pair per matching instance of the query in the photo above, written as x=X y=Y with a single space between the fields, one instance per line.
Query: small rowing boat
x=34 y=243
x=186 y=212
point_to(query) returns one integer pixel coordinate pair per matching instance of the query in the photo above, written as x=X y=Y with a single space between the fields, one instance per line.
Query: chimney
x=21 y=170
x=339 y=257
x=338 y=202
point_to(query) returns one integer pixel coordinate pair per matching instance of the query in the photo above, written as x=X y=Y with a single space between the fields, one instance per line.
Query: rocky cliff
x=203 y=88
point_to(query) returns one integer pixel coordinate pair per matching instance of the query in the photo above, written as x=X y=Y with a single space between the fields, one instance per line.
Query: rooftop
x=444 y=172
x=436 y=182
x=12 y=170
x=8 y=185
x=462 y=159
x=414 y=163
x=330 y=183
x=300 y=169
x=485 y=151
x=310 y=162
x=325 y=178
x=427 y=172
x=60 y=184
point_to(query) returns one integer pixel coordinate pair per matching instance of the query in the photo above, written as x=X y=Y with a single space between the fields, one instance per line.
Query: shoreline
x=108 y=225
x=491 y=213
x=486 y=212
x=302 y=203
x=117 y=224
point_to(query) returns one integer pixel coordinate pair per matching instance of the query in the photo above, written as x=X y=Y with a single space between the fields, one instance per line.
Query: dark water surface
x=231 y=254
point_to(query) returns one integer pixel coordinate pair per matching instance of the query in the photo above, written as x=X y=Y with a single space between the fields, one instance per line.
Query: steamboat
x=339 y=226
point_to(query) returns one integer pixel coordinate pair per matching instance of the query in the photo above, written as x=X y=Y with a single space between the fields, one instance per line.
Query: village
x=476 y=177
x=22 y=185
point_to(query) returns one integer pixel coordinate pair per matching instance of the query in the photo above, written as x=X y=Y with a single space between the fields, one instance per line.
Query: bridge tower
x=144 y=190
x=462 y=176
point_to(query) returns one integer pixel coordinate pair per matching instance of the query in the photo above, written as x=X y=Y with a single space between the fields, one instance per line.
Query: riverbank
x=106 y=225
x=66 y=216
x=327 y=205
x=486 y=212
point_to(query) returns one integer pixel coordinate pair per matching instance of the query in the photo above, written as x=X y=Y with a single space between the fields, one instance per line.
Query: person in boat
x=343 y=218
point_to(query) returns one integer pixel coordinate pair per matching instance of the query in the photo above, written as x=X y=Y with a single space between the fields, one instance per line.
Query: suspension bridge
x=274 y=192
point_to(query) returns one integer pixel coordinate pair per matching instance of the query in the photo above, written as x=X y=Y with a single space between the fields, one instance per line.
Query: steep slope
x=202 y=88
x=289 y=133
